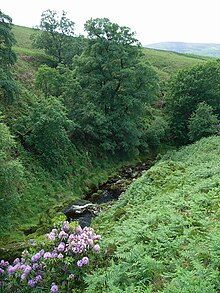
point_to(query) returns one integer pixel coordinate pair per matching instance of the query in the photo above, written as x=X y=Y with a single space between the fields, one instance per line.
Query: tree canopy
x=55 y=36
x=188 y=88
x=202 y=122
x=11 y=176
x=112 y=87
x=8 y=87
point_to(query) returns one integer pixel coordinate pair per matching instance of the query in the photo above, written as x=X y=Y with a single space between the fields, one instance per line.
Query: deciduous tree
x=56 y=37
x=202 y=122
x=188 y=88
x=113 y=85
x=8 y=87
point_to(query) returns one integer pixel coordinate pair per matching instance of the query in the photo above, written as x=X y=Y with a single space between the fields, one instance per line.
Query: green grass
x=169 y=62
x=163 y=235
x=164 y=62
x=23 y=36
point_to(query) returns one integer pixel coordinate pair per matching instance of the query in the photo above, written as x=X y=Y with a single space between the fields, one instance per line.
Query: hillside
x=203 y=49
x=163 y=62
x=73 y=131
x=163 y=234
x=54 y=191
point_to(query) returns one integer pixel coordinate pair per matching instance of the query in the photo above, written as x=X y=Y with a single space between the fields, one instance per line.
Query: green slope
x=45 y=190
x=203 y=49
x=164 y=62
x=169 y=62
x=164 y=234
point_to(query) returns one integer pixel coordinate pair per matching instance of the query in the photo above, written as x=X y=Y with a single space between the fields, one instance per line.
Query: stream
x=94 y=202
x=84 y=210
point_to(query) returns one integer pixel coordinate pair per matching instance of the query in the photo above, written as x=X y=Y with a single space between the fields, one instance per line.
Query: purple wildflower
x=54 y=288
x=85 y=260
x=1 y=271
x=96 y=237
x=90 y=241
x=23 y=277
x=16 y=261
x=35 y=266
x=31 y=283
x=71 y=276
x=54 y=255
x=36 y=257
x=63 y=235
x=41 y=252
x=61 y=246
x=66 y=226
x=38 y=278
x=27 y=269
x=11 y=270
x=47 y=255
x=79 y=263
x=17 y=267
x=51 y=236
x=96 y=247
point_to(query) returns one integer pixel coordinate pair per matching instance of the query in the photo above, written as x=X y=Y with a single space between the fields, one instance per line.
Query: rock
x=82 y=212
x=77 y=208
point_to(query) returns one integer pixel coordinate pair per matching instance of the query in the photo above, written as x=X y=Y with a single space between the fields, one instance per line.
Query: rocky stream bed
x=94 y=202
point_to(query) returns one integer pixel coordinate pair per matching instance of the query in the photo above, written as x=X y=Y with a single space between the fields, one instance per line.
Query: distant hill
x=189 y=48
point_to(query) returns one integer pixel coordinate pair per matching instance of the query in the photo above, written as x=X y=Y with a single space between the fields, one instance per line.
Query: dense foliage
x=8 y=87
x=203 y=122
x=11 y=177
x=187 y=89
x=58 y=266
x=55 y=36
x=43 y=129
x=163 y=234
x=111 y=87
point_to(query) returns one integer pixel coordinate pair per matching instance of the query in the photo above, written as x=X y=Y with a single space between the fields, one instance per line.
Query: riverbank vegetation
x=163 y=235
x=74 y=110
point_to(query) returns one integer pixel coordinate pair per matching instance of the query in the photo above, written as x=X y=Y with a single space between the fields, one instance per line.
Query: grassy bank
x=163 y=235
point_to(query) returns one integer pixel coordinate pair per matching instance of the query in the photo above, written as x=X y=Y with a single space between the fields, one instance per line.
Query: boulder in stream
x=81 y=211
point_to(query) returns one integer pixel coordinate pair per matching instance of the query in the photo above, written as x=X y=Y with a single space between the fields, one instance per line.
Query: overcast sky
x=153 y=20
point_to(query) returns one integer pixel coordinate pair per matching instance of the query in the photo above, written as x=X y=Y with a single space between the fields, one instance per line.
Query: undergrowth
x=163 y=235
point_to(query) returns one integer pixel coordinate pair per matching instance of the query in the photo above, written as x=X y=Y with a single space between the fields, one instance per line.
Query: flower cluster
x=58 y=264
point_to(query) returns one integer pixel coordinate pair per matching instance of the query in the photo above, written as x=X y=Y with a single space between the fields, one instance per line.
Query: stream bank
x=92 y=204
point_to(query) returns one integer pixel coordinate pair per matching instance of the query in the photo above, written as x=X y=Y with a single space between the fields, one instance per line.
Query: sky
x=154 y=21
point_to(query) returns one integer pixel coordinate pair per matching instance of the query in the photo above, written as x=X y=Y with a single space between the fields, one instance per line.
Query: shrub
x=59 y=265
x=202 y=122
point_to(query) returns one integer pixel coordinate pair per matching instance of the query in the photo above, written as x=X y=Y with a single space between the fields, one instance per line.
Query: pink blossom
x=96 y=247
x=60 y=255
x=54 y=288
x=61 y=246
x=47 y=255
x=31 y=283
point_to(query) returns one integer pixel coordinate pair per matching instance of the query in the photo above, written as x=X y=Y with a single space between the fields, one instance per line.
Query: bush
x=44 y=130
x=11 y=176
x=202 y=122
x=59 y=265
